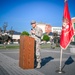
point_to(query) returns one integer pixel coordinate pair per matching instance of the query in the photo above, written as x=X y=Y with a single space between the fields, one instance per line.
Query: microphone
x=32 y=31
x=31 y=28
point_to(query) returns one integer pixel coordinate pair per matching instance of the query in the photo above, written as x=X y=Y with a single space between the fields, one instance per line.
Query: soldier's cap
x=33 y=22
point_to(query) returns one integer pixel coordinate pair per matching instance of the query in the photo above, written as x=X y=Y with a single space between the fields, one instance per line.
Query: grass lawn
x=9 y=47
x=43 y=46
x=46 y=45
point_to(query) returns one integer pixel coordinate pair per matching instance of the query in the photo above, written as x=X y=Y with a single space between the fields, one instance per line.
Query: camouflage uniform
x=37 y=37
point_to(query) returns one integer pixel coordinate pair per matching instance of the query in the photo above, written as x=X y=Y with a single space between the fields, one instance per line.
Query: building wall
x=56 y=29
x=73 y=23
x=42 y=26
x=48 y=28
x=16 y=37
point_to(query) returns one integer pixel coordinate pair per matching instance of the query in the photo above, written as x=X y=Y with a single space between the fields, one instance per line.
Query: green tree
x=46 y=38
x=25 y=33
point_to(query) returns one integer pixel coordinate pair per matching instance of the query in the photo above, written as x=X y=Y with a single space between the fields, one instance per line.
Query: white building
x=16 y=37
x=42 y=26
x=73 y=23
x=53 y=29
x=57 y=29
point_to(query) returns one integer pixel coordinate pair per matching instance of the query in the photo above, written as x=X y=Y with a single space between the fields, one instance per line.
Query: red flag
x=67 y=28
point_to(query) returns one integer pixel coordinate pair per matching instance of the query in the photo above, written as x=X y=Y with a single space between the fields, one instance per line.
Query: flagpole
x=60 y=60
x=60 y=67
x=67 y=31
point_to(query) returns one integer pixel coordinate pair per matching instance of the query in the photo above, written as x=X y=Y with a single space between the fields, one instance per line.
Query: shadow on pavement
x=68 y=62
x=46 y=60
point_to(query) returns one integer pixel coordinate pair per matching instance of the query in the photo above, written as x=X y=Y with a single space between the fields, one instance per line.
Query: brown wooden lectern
x=26 y=55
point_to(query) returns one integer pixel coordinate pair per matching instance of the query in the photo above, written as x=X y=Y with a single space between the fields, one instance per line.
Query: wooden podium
x=26 y=55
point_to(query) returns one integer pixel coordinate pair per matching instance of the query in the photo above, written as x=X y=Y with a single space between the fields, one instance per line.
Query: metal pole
x=60 y=67
x=60 y=60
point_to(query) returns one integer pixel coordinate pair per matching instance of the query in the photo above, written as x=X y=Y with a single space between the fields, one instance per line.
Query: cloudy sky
x=19 y=13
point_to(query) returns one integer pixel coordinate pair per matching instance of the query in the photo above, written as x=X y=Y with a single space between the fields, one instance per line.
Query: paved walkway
x=9 y=66
x=50 y=63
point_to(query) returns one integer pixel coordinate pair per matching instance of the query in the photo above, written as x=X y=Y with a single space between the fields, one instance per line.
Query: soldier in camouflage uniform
x=36 y=33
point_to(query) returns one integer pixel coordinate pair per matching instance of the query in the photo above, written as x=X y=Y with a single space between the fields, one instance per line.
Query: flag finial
x=65 y=0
